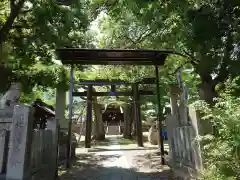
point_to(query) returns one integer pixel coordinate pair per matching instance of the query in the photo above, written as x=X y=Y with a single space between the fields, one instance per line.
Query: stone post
x=60 y=108
x=171 y=124
x=173 y=121
x=174 y=93
x=52 y=124
x=196 y=130
x=20 y=143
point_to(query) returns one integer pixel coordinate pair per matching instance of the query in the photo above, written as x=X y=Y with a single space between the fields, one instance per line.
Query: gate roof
x=112 y=56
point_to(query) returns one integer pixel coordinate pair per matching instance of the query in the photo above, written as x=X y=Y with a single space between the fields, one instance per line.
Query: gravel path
x=117 y=162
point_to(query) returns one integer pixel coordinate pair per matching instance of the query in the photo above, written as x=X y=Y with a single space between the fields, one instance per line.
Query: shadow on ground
x=108 y=141
x=123 y=149
x=87 y=167
x=149 y=160
x=104 y=142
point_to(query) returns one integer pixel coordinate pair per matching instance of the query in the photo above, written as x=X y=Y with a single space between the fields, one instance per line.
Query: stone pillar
x=60 y=108
x=52 y=124
x=174 y=93
x=20 y=143
x=201 y=127
x=98 y=126
x=170 y=126
x=198 y=128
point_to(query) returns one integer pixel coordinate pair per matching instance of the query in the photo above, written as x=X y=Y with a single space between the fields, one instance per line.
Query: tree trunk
x=98 y=133
x=127 y=109
x=15 y=9
x=207 y=91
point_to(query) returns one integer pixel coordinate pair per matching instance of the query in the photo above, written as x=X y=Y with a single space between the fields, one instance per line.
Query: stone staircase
x=113 y=130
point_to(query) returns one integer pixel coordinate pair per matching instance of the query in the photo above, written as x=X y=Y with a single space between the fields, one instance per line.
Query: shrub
x=221 y=151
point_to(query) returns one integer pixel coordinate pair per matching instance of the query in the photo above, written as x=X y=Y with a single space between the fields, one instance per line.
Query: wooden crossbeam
x=100 y=82
x=150 y=80
x=141 y=92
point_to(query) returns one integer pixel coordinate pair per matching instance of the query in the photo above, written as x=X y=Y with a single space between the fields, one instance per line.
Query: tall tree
x=31 y=31
x=206 y=31
x=14 y=9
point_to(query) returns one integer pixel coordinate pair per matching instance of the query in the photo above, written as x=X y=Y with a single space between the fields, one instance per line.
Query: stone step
x=113 y=130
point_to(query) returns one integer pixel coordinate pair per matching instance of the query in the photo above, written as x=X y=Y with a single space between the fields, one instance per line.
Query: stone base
x=63 y=146
x=153 y=136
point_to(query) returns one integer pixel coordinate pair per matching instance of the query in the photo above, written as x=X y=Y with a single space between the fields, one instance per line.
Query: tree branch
x=21 y=26
x=145 y=35
x=193 y=60
x=141 y=38
x=178 y=68
x=15 y=10
x=223 y=72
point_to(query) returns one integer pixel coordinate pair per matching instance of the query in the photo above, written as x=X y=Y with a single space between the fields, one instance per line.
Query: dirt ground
x=117 y=162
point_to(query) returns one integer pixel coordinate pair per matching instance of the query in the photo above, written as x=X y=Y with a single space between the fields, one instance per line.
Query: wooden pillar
x=89 y=118
x=127 y=110
x=137 y=115
x=113 y=88
x=70 y=109
x=159 y=115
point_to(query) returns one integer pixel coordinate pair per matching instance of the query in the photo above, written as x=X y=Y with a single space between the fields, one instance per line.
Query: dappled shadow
x=122 y=149
x=87 y=167
x=94 y=143
x=150 y=160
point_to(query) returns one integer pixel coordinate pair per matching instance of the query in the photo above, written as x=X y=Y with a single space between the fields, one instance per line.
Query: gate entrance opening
x=76 y=56
x=113 y=116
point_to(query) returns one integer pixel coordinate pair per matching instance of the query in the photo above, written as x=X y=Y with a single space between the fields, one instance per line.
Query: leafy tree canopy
x=206 y=31
x=31 y=31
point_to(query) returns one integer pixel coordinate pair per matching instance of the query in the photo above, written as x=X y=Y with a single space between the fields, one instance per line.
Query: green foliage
x=46 y=94
x=222 y=150
x=130 y=74
x=233 y=86
x=39 y=28
x=206 y=31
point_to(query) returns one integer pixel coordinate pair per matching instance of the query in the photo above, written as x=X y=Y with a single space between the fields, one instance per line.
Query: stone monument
x=12 y=96
x=7 y=103
x=153 y=133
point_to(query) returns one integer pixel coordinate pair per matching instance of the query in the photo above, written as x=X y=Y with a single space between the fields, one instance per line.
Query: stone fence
x=184 y=150
x=184 y=126
x=27 y=153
